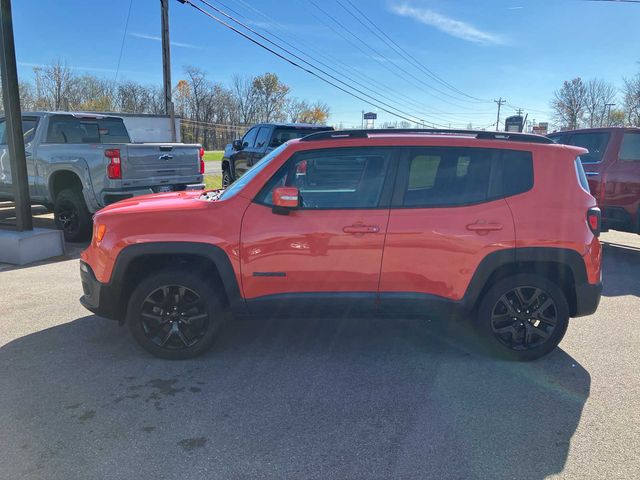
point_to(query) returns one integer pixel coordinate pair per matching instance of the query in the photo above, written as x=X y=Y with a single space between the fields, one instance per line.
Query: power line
x=403 y=52
x=333 y=77
x=408 y=104
x=382 y=89
x=311 y=72
x=124 y=36
x=378 y=55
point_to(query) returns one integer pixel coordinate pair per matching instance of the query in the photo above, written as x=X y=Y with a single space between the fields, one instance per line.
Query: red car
x=613 y=170
x=500 y=227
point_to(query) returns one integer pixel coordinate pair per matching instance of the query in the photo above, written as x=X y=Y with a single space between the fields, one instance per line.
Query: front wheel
x=175 y=314
x=226 y=178
x=523 y=317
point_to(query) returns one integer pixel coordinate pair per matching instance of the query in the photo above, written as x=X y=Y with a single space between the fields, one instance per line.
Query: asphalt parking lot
x=334 y=398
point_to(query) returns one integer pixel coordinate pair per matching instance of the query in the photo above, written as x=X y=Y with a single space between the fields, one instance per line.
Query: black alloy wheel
x=174 y=317
x=524 y=318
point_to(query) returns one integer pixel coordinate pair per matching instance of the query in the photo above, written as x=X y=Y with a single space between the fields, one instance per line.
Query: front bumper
x=587 y=298
x=98 y=298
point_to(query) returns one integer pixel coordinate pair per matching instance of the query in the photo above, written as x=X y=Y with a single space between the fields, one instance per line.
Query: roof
x=75 y=114
x=595 y=129
x=397 y=132
x=296 y=125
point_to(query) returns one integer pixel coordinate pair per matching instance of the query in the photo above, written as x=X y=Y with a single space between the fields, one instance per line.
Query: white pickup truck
x=78 y=163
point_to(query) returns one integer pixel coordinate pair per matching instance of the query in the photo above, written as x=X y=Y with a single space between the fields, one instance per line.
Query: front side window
x=461 y=176
x=249 y=138
x=347 y=178
x=630 y=148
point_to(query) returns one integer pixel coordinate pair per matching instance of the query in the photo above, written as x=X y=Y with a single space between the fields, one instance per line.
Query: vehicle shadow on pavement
x=305 y=398
x=621 y=264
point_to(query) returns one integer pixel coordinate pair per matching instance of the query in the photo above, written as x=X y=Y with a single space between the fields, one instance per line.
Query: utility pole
x=166 y=67
x=500 y=102
x=13 y=120
x=607 y=107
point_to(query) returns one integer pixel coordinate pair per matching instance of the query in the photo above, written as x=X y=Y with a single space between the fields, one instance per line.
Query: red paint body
x=424 y=250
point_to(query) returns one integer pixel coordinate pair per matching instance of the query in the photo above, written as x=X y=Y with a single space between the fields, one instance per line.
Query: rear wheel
x=523 y=317
x=175 y=314
x=72 y=216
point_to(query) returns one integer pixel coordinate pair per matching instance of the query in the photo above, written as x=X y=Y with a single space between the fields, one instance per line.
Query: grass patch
x=213 y=155
x=213 y=182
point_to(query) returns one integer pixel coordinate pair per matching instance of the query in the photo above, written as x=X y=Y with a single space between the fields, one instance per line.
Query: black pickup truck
x=243 y=153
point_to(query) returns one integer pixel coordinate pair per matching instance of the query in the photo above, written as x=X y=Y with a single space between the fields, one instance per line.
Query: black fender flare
x=212 y=252
x=514 y=256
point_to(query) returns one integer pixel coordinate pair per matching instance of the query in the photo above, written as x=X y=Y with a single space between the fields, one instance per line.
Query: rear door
x=622 y=191
x=29 y=125
x=261 y=146
x=329 y=251
x=447 y=214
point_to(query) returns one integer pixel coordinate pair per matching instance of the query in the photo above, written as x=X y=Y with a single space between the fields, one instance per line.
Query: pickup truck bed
x=78 y=163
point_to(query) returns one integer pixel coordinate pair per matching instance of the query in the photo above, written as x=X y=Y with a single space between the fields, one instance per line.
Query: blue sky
x=519 y=50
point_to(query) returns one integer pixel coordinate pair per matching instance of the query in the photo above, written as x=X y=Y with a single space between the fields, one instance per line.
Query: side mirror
x=285 y=199
x=237 y=144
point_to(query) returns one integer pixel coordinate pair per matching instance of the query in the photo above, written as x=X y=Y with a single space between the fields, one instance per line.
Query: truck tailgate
x=155 y=160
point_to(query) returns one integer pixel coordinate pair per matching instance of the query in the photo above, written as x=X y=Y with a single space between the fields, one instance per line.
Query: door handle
x=482 y=226
x=361 y=229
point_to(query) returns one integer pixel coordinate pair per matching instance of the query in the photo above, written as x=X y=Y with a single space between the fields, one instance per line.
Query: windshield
x=239 y=184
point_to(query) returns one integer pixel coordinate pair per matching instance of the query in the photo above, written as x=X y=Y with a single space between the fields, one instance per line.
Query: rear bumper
x=98 y=298
x=587 y=298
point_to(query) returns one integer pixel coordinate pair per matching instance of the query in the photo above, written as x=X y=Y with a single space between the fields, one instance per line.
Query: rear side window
x=630 y=148
x=74 y=130
x=462 y=176
x=595 y=142
x=263 y=137
x=282 y=135
x=333 y=178
x=29 y=125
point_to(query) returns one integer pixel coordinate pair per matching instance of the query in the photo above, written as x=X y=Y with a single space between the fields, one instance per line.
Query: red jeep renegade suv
x=500 y=227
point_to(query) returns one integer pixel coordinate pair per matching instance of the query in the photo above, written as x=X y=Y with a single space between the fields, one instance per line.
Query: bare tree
x=295 y=108
x=569 y=103
x=599 y=94
x=631 y=91
x=271 y=97
x=55 y=86
x=246 y=98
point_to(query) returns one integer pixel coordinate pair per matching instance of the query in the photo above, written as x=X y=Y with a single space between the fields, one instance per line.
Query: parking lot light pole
x=13 y=122
x=166 y=66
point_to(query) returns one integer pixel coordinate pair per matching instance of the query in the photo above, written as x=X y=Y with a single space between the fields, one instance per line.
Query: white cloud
x=515 y=8
x=450 y=26
x=158 y=39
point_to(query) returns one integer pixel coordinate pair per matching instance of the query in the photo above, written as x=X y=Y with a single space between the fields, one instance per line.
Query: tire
x=522 y=336
x=226 y=178
x=72 y=216
x=170 y=327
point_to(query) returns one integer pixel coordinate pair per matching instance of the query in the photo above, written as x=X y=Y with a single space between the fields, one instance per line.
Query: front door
x=328 y=252
x=242 y=158
x=448 y=212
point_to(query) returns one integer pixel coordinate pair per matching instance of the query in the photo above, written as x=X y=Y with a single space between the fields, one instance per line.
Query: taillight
x=594 y=220
x=114 y=168
x=201 y=154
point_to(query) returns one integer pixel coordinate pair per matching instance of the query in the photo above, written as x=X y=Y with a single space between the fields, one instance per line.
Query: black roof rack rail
x=479 y=134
